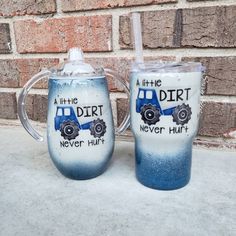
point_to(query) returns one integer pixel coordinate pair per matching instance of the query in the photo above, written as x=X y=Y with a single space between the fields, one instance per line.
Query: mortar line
x=59 y=6
x=218 y=98
x=115 y=32
x=177 y=52
x=183 y=3
x=13 y=41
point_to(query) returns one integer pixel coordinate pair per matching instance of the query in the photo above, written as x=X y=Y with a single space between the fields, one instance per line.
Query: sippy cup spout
x=75 y=65
x=75 y=54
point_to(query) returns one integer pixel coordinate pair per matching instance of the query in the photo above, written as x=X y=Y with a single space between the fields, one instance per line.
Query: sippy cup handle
x=21 y=104
x=45 y=74
x=126 y=122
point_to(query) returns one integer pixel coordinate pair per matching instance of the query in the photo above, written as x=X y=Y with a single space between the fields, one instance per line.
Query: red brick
x=209 y=27
x=9 y=73
x=15 y=73
x=197 y=27
x=26 y=7
x=5 y=39
x=8 y=105
x=81 y=5
x=217 y=118
x=91 y=33
x=29 y=106
x=30 y=67
x=220 y=74
x=40 y=107
x=157 y=26
x=36 y=107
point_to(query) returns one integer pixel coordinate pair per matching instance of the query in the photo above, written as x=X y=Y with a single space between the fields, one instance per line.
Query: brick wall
x=37 y=34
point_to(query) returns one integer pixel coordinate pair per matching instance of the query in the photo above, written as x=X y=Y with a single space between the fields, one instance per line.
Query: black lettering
x=161 y=129
x=179 y=93
x=157 y=83
x=163 y=95
x=64 y=143
x=187 y=92
x=157 y=130
x=90 y=142
x=77 y=143
x=75 y=101
x=172 y=130
x=86 y=108
x=100 y=109
x=171 y=99
x=94 y=109
x=80 y=111
x=143 y=128
x=186 y=129
x=151 y=129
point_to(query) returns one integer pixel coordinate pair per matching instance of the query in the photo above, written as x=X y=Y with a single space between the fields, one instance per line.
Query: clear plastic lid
x=167 y=67
x=75 y=66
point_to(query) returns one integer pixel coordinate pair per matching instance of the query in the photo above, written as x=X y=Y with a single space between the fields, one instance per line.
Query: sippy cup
x=80 y=129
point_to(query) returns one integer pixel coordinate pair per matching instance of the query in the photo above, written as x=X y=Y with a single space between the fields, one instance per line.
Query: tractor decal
x=67 y=123
x=147 y=104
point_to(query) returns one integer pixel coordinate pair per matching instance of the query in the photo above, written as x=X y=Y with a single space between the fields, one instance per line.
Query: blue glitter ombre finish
x=165 y=108
x=80 y=171
x=163 y=171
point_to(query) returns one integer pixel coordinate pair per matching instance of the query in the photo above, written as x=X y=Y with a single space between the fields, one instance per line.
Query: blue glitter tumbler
x=165 y=107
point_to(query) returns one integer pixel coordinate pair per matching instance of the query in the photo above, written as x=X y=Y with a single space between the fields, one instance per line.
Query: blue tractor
x=67 y=123
x=148 y=106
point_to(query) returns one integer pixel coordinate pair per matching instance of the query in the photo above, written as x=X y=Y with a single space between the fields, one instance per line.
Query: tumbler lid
x=167 y=67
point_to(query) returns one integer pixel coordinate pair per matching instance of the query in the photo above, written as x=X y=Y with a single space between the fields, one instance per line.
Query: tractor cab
x=63 y=114
x=147 y=96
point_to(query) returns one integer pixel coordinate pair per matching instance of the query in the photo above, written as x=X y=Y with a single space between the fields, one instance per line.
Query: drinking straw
x=137 y=33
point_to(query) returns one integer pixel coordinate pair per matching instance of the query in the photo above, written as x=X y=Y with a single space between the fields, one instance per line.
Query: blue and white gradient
x=85 y=161
x=163 y=159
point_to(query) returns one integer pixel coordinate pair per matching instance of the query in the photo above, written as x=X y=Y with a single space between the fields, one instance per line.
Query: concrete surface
x=35 y=199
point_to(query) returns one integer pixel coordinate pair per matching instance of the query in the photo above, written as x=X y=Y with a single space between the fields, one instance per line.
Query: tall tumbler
x=165 y=107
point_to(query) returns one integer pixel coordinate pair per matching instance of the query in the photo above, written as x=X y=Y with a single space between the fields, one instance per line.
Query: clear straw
x=137 y=33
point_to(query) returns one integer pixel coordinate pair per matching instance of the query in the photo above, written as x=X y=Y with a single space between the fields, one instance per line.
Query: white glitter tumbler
x=165 y=107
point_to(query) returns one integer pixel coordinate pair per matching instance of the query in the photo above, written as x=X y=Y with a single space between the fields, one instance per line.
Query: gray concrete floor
x=35 y=199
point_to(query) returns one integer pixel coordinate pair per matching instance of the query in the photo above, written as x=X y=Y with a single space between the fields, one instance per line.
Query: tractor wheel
x=98 y=128
x=182 y=114
x=69 y=130
x=150 y=114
